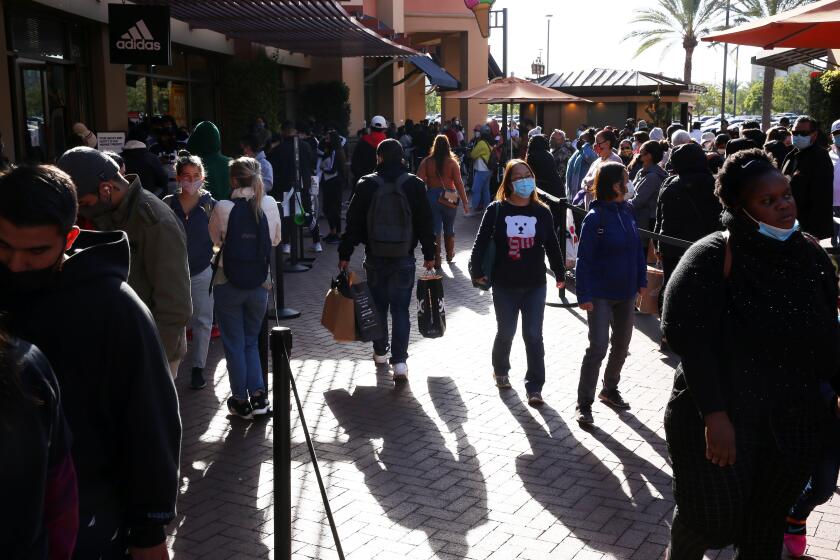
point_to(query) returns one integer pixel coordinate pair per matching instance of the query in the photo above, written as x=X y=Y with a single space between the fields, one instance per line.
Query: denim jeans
x=508 y=304
x=607 y=313
x=480 y=189
x=201 y=321
x=823 y=481
x=443 y=218
x=240 y=314
x=391 y=281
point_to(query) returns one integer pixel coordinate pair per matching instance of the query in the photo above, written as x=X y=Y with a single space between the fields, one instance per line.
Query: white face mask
x=191 y=187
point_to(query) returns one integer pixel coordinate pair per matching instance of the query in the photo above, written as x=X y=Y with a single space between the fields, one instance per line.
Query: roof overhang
x=313 y=27
x=782 y=59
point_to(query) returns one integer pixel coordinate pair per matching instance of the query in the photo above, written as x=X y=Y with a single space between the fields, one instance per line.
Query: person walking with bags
x=193 y=206
x=752 y=314
x=389 y=213
x=516 y=233
x=611 y=270
x=441 y=171
x=245 y=228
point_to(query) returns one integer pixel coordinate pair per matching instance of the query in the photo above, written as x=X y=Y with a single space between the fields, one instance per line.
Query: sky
x=585 y=36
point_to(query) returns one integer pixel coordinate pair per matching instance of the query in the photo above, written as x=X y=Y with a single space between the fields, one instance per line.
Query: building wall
x=6 y=126
x=110 y=105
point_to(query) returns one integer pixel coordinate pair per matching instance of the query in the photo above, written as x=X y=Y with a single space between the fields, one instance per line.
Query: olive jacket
x=159 y=272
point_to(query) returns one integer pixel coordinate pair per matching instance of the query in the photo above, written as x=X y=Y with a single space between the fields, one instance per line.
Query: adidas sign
x=138 y=38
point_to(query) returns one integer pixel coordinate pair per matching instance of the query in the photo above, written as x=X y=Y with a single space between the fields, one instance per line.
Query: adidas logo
x=138 y=38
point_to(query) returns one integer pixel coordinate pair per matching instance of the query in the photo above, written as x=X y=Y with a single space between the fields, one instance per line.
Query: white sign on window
x=111 y=141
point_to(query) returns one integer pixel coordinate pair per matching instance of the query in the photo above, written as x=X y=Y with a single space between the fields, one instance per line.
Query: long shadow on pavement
x=582 y=492
x=417 y=480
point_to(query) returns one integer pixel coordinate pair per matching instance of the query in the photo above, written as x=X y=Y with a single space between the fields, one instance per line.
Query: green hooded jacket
x=206 y=143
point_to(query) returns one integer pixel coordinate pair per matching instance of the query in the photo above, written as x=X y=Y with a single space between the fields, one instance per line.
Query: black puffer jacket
x=687 y=208
x=542 y=163
x=811 y=176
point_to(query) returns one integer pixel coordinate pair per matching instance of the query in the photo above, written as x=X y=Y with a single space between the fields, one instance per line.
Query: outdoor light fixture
x=481 y=9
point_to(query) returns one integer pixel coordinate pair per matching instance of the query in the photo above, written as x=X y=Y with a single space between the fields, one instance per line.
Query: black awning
x=437 y=75
x=493 y=69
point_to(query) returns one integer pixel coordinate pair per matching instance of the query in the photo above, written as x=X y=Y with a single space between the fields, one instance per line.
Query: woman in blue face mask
x=519 y=231
x=752 y=313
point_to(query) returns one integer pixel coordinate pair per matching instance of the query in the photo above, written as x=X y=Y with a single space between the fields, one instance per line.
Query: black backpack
x=247 y=247
x=390 y=225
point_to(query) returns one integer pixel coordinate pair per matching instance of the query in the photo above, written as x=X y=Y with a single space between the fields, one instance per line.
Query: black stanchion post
x=262 y=346
x=281 y=347
x=293 y=265
x=280 y=311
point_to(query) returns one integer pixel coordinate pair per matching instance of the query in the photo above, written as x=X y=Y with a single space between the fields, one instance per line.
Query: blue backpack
x=247 y=247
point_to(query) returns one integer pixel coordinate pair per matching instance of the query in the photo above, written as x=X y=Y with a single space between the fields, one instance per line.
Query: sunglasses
x=803 y=132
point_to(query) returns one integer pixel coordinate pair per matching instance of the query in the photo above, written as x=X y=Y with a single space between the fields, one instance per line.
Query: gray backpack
x=390 y=227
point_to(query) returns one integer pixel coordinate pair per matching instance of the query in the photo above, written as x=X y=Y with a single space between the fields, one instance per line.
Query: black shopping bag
x=431 y=314
x=368 y=322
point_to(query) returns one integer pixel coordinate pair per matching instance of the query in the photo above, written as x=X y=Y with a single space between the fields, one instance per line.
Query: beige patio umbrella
x=515 y=90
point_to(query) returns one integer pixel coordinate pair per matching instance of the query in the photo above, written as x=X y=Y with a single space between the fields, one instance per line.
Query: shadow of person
x=226 y=488
x=420 y=482
x=650 y=436
x=580 y=489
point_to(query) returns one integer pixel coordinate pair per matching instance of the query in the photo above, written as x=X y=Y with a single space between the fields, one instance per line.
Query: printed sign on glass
x=139 y=34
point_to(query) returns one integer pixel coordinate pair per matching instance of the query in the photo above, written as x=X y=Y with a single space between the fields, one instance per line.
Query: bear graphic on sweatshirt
x=521 y=231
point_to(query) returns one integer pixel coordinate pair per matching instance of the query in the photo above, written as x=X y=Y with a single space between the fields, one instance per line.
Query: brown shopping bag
x=649 y=303
x=339 y=315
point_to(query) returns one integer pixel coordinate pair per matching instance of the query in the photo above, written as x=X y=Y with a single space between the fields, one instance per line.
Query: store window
x=184 y=89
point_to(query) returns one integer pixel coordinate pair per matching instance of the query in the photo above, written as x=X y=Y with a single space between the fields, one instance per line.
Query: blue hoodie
x=578 y=166
x=610 y=261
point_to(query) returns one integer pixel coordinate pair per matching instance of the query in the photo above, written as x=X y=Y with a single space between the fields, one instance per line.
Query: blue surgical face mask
x=773 y=232
x=524 y=187
x=801 y=142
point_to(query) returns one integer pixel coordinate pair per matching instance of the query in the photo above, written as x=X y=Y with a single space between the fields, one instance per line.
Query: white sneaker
x=400 y=371
x=286 y=248
x=316 y=248
x=380 y=360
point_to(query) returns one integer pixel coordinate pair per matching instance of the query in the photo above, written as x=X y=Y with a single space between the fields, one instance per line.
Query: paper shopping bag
x=338 y=315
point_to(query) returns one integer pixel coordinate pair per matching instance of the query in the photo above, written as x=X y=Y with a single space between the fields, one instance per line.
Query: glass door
x=34 y=126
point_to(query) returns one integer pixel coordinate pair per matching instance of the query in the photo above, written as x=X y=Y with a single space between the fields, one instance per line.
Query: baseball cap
x=88 y=168
x=378 y=122
x=835 y=126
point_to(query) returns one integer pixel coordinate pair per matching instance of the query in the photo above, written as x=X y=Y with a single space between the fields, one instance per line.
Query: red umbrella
x=813 y=26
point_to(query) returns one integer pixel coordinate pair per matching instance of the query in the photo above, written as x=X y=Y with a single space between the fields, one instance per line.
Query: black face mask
x=30 y=281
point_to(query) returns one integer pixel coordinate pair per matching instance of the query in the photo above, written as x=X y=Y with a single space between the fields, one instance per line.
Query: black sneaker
x=197 y=381
x=260 y=405
x=240 y=408
x=583 y=415
x=613 y=399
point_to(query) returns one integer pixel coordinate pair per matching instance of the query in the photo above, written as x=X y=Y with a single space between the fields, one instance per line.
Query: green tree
x=676 y=22
x=432 y=104
x=756 y=9
x=754 y=98
x=790 y=93
x=708 y=102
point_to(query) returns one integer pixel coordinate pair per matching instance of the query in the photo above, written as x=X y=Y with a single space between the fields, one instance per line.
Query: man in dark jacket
x=146 y=165
x=364 y=155
x=66 y=292
x=811 y=176
x=206 y=143
x=542 y=164
x=687 y=208
x=391 y=279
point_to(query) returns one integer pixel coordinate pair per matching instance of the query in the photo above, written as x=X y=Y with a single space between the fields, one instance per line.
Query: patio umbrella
x=515 y=90
x=813 y=26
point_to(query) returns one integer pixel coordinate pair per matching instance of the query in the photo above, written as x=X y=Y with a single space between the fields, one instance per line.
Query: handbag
x=338 y=314
x=488 y=262
x=431 y=313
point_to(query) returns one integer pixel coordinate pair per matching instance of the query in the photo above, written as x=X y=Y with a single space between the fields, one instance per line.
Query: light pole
x=548 y=46
x=725 y=60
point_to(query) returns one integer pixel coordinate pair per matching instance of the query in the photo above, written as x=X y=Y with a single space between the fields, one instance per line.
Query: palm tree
x=676 y=22
x=756 y=9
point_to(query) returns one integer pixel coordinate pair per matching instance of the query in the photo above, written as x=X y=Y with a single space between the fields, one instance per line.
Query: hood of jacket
x=374 y=138
x=205 y=139
x=689 y=159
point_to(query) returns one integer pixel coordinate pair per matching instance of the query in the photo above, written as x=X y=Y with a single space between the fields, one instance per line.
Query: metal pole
x=548 y=47
x=735 y=92
x=281 y=347
x=725 y=60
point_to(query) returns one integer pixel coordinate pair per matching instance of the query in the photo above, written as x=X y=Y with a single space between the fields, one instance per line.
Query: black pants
x=744 y=504
x=669 y=264
x=332 y=202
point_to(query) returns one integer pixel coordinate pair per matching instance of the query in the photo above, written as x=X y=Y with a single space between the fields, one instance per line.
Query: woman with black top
x=752 y=313
x=522 y=232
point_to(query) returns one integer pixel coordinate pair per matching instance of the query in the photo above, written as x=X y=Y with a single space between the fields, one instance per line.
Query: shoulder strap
x=727 y=256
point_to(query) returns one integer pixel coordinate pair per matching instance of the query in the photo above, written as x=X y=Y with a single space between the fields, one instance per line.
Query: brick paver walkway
x=444 y=467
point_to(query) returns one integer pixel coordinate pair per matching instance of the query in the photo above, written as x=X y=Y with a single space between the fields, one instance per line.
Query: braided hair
x=740 y=173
